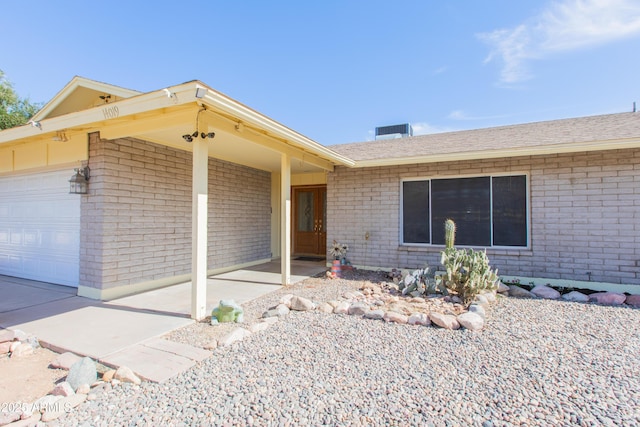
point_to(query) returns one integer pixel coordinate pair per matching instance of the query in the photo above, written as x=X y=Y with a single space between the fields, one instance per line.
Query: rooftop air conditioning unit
x=394 y=131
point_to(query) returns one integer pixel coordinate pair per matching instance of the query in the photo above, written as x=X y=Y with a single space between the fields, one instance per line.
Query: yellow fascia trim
x=137 y=288
x=39 y=153
x=314 y=178
x=116 y=112
x=50 y=168
x=134 y=125
x=121 y=111
x=126 y=290
x=93 y=118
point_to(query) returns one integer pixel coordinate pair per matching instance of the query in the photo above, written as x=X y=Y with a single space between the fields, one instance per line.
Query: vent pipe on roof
x=394 y=131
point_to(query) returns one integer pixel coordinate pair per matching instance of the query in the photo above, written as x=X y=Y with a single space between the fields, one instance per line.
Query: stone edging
x=372 y=302
x=81 y=384
x=369 y=303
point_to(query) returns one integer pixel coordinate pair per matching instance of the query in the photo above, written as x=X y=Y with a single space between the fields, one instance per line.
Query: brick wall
x=585 y=215
x=136 y=219
x=239 y=214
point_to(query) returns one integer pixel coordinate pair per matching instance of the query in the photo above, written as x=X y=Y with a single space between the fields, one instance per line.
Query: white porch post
x=285 y=218
x=199 y=229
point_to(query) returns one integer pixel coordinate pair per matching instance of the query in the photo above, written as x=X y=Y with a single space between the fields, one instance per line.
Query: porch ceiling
x=233 y=142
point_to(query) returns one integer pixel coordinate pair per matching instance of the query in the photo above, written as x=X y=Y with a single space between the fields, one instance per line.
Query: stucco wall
x=585 y=215
x=136 y=219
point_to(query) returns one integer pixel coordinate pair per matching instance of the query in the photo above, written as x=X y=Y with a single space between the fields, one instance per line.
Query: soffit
x=229 y=144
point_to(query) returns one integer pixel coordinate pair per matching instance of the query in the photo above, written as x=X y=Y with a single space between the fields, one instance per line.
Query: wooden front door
x=309 y=220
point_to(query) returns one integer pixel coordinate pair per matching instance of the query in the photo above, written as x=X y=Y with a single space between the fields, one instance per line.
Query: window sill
x=490 y=251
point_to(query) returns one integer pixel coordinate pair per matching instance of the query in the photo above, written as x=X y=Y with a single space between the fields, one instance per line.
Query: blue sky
x=334 y=70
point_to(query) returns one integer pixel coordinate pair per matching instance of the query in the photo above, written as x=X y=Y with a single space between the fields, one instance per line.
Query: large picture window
x=488 y=210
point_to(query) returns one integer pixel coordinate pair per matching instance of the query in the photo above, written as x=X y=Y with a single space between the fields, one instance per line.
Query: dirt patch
x=27 y=378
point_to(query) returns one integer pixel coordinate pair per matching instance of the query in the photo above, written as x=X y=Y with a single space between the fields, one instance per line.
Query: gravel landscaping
x=536 y=362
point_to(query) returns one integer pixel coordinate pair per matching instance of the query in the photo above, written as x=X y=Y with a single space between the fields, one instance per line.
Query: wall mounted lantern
x=79 y=182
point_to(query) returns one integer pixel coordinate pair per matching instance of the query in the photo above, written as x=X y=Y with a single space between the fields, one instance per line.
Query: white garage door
x=40 y=228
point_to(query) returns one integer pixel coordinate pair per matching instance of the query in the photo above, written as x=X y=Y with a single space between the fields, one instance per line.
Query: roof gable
x=80 y=94
x=164 y=117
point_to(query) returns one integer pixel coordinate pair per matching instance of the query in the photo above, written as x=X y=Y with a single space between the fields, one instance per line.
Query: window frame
x=527 y=176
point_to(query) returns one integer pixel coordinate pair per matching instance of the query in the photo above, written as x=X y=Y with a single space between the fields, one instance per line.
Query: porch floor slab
x=88 y=327
x=126 y=331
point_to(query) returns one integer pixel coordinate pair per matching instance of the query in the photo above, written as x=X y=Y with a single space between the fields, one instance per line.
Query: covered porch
x=188 y=118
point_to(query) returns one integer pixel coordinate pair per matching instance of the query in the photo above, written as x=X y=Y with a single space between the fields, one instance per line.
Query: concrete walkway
x=126 y=331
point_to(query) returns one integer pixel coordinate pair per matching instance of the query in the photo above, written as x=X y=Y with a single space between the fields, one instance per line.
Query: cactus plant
x=467 y=273
x=449 y=233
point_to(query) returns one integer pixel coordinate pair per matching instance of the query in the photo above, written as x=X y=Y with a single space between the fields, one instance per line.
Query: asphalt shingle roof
x=611 y=127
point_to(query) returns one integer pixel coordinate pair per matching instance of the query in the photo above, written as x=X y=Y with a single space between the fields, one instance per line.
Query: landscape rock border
x=80 y=384
x=599 y=297
x=16 y=343
x=374 y=302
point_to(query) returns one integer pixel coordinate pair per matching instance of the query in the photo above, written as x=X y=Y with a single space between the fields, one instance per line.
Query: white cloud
x=462 y=115
x=371 y=135
x=563 y=26
x=440 y=70
x=457 y=115
x=423 y=128
x=513 y=47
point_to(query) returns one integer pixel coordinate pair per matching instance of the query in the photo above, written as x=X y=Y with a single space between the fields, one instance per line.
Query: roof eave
x=248 y=116
x=164 y=98
x=513 y=152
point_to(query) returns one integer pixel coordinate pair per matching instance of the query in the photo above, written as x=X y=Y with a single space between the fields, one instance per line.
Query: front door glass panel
x=305 y=211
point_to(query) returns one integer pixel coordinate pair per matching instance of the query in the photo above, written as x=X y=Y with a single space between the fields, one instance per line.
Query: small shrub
x=419 y=282
x=467 y=273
